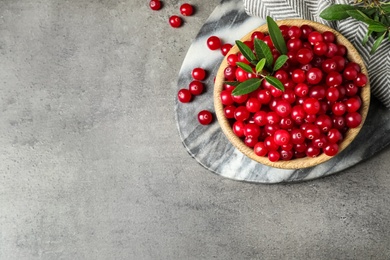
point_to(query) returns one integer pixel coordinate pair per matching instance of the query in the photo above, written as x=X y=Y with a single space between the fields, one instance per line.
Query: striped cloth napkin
x=378 y=64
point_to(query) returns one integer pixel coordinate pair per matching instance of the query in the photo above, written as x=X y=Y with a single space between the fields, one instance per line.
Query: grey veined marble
x=209 y=146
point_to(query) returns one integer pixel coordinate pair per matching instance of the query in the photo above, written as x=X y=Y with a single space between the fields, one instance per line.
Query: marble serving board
x=209 y=146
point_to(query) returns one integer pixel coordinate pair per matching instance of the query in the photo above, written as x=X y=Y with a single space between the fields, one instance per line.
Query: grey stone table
x=210 y=147
x=92 y=166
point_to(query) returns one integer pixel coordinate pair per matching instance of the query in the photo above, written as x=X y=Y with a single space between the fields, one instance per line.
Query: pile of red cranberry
x=321 y=100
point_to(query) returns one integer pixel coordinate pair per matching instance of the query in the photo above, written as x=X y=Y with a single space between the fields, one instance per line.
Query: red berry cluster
x=196 y=88
x=321 y=100
x=175 y=21
x=215 y=43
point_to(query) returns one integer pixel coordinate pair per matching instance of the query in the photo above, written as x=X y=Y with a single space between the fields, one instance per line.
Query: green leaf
x=337 y=12
x=245 y=67
x=280 y=62
x=246 y=51
x=275 y=82
x=232 y=83
x=378 y=42
x=360 y=16
x=365 y=39
x=377 y=28
x=247 y=86
x=263 y=51
x=386 y=7
x=276 y=36
x=260 y=65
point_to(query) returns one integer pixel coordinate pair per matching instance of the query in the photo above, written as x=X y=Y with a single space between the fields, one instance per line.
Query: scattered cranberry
x=198 y=74
x=205 y=117
x=184 y=95
x=155 y=5
x=175 y=21
x=196 y=87
x=214 y=43
x=186 y=9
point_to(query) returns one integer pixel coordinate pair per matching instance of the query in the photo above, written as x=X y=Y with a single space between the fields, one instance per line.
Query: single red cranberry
x=268 y=41
x=264 y=96
x=306 y=30
x=298 y=76
x=205 y=117
x=229 y=111
x=315 y=37
x=282 y=137
x=273 y=118
x=338 y=122
x=294 y=32
x=270 y=144
x=286 y=155
x=175 y=21
x=298 y=114
x=240 y=99
x=232 y=59
x=186 y=9
x=329 y=65
x=260 y=118
x=198 y=74
x=334 y=135
x=354 y=65
x=283 y=108
x=225 y=48
x=331 y=149
x=361 y=80
x=196 y=87
x=241 y=58
x=260 y=149
x=184 y=95
x=155 y=5
x=294 y=44
x=257 y=35
x=214 y=43
x=350 y=73
x=353 y=119
x=341 y=50
x=301 y=90
x=332 y=94
x=230 y=72
x=284 y=30
x=273 y=156
x=252 y=130
x=238 y=128
x=340 y=62
x=250 y=141
x=352 y=89
x=314 y=76
x=241 y=113
x=312 y=151
x=286 y=123
x=320 y=142
x=289 y=96
x=240 y=74
x=320 y=48
x=253 y=105
x=226 y=97
x=324 y=122
x=281 y=75
x=304 y=56
x=332 y=50
x=318 y=92
x=353 y=104
x=328 y=36
x=334 y=79
x=311 y=106
x=312 y=131
x=339 y=108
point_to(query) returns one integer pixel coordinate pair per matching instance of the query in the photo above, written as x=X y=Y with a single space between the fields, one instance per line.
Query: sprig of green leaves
x=261 y=61
x=375 y=15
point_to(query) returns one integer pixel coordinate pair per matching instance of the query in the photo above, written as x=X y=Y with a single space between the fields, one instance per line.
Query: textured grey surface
x=92 y=166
